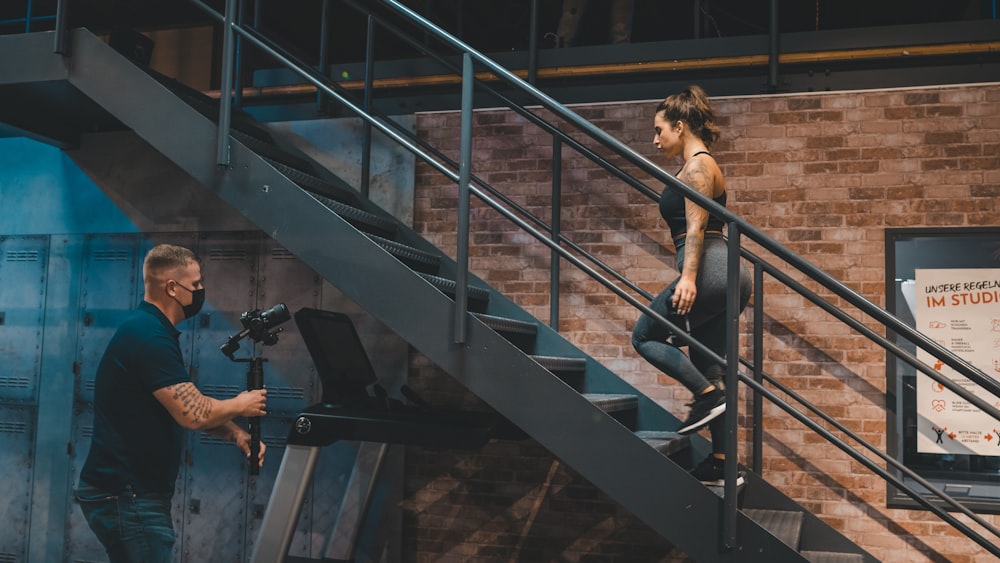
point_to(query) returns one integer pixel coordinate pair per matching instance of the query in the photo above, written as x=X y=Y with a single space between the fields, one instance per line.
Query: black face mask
x=197 y=300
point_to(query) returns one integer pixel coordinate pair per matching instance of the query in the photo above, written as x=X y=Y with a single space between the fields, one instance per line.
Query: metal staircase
x=618 y=439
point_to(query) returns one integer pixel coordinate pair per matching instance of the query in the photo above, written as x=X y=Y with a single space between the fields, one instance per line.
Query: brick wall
x=824 y=174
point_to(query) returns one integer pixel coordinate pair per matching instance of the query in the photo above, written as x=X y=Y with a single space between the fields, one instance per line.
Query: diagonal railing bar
x=440 y=157
x=306 y=73
x=881 y=454
x=516 y=107
x=875 y=468
x=736 y=224
x=747 y=229
x=320 y=83
x=882 y=341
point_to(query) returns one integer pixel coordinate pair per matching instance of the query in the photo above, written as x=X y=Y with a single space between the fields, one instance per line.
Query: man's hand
x=243 y=443
x=251 y=402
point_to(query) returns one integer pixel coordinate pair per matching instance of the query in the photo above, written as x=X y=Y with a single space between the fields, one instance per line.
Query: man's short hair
x=165 y=257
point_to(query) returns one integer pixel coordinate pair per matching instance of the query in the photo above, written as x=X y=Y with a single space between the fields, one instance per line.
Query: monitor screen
x=341 y=362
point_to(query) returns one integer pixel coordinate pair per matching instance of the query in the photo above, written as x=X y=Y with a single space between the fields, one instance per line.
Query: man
x=143 y=397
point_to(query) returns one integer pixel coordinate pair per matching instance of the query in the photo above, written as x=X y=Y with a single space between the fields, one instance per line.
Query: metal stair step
x=786 y=525
x=666 y=442
x=478 y=297
x=209 y=107
x=504 y=324
x=612 y=402
x=519 y=333
x=362 y=220
x=832 y=557
x=417 y=260
x=308 y=182
x=561 y=364
x=269 y=150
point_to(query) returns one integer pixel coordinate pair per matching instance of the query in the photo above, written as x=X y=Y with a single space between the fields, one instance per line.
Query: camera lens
x=275 y=315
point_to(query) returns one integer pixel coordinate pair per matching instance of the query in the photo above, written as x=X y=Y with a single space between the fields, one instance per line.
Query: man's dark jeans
x=132 y=527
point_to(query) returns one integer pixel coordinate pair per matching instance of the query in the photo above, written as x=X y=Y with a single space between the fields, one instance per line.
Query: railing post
x=324 y=46
x=464 y=173
x=732 y=388
x=238 y=57
x=366 y=128
x=772 y=59
x=554 y=267
x=758 y=367
x=61 y=45
x=226 y=88
x=533 y=44
x=697 y=19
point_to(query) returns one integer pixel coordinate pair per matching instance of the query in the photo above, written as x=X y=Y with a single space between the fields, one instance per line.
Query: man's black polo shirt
x=136 y=442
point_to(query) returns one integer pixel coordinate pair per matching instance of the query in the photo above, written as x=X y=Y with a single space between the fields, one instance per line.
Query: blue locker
x=22 y=307
x=23 y=267
x=109 y=290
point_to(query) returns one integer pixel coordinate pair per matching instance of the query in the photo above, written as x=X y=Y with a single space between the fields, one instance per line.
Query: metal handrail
x=874 y=467
x=748 y=230
x=388 y=129
x=857 y=325
x=437 y=156
x=736 y=226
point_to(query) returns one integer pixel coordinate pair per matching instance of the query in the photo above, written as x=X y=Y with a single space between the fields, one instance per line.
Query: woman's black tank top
x=672 y=210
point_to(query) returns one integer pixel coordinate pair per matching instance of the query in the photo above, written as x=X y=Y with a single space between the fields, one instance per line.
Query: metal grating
x=282 y=254
x=272 y=440
x=227 y=254
x=112 y=255
x=13 y=427
x=222 y=390
x=22 y=256
x=14 y=382
x=272 y=392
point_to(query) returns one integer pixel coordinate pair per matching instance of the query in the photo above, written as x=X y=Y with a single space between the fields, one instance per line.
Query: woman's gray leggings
x=707 y=319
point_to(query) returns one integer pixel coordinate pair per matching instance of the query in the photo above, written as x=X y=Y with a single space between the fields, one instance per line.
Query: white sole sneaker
x=699 y=424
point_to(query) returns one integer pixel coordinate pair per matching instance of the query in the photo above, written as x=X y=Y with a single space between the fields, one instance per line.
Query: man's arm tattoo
x=194 y=403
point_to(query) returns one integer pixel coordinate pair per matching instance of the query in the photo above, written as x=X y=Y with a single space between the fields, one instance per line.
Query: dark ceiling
x=502 y=25
x=662 y=31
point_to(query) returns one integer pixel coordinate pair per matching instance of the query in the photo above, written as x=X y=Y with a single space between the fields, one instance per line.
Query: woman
x=684 y=126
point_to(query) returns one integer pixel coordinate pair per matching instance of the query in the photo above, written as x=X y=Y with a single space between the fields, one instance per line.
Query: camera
x=260 y=326
x=259 y=323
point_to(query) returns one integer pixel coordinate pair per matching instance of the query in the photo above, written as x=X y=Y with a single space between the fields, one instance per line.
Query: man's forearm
x=228 y=431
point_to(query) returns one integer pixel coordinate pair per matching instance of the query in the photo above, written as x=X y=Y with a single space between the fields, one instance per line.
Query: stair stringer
x=542 y=405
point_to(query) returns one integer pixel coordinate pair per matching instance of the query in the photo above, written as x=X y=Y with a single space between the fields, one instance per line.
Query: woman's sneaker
x=704 y=409
x=710 y=472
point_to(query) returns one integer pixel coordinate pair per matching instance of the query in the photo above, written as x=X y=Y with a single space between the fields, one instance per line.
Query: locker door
x=111 y=277
x=23 y=263
x=216 y=480
x=17 y=427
